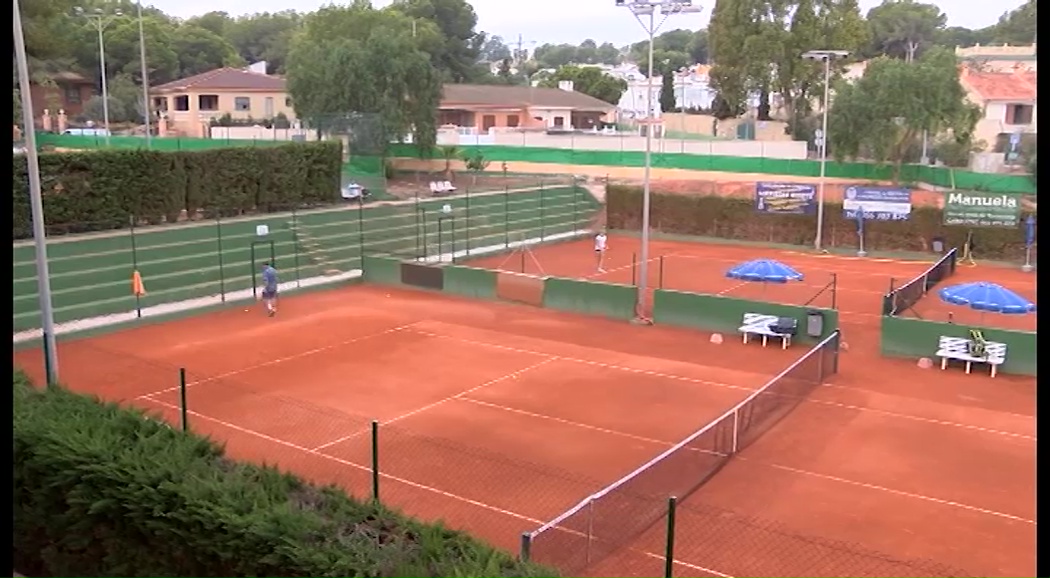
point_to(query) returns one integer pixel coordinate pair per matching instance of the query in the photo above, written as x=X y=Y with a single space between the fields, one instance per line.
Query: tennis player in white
x=600 y=246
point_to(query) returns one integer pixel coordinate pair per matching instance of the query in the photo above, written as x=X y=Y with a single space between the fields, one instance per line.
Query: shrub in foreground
x=102 y=490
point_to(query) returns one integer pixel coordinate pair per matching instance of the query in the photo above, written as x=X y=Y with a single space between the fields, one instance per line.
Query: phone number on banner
x=877 y=203
x=872 y=212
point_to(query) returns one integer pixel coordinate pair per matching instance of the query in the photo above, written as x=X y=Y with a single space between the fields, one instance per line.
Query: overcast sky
x=556 y=21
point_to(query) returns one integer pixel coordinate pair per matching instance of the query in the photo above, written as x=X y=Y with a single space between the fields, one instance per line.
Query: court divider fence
x=443 y=476
x=215 y=255
x=903 y=298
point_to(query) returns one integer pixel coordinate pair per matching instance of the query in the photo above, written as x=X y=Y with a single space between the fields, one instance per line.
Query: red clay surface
x=497 y=417
x=910 y=462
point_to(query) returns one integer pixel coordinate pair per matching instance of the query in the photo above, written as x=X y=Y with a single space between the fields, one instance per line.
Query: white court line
x=281 y=360
x=733 y=288
x=868 y=486
x=743 y=388
x=511 y=375
x=896 y=492
x=410 y=483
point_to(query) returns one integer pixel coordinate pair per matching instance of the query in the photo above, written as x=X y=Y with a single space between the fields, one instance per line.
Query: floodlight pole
x=145 y=80
x=100 y=21
x=648 y=8
x=826 y=56
x=43 y=278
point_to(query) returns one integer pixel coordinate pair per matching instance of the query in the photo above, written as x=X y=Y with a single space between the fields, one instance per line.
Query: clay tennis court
x=913 y=463
x=498 y=417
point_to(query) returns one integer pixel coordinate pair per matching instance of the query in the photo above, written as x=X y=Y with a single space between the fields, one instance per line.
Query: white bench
x=758 y=324
x=441 y=187
x=959 y=348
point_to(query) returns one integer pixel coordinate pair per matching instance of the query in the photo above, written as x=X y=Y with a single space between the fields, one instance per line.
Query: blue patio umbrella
x=764 y=271
x=987 y=298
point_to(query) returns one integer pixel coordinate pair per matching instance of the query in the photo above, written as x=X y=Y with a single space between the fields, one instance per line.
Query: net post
x=521 y=253
x=506 y=216
x=660 y=285
x=542 y=216
x=834 y=290
x=736 y=431
x=575 y=208
x=222 y=272
x=49 y=372
x=526 y=547
x=466 y=231
x=183 y=410
x=361 y=229
x=295 y=245
x=375 y=461
x=634 y=268
x=135 y=266
x=672 y=507
x=590 y=528
x=255 y=288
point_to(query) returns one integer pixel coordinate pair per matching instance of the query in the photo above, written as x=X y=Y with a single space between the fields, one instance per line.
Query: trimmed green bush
x=101 y=190
x=735 y=218
x=105 y=491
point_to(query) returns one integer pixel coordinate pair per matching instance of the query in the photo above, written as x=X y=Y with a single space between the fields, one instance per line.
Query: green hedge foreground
x=735 y=218
x=101 y=491
x=100 y=190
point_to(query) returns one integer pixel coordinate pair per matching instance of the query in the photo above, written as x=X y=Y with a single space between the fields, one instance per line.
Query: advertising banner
x=785 y=198
x=979 y=209
x=877 y=203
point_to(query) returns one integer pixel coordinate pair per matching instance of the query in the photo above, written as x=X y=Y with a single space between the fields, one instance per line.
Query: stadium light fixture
x=99 y=20
x=649 y=8
x=825 y=56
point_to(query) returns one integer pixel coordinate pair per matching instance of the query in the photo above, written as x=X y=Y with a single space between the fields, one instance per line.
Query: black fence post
x=526 y=547
x=375 y=461
x=183 y=410
x=222 y=272
x=672 y=507
x=135 y=268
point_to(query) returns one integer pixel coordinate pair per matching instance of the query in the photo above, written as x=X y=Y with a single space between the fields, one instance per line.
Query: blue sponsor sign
x=877 y=203
x=785 y=198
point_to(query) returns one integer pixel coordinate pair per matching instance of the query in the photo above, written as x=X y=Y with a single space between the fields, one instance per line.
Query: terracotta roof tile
x=225 y=79
x=1019 y=85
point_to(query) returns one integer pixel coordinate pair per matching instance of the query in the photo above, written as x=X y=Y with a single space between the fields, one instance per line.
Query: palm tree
x=450 y=152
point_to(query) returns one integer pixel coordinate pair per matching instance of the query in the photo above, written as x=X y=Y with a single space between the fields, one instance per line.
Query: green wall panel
x=604 y=299
x=902 y=337
x=726 y=314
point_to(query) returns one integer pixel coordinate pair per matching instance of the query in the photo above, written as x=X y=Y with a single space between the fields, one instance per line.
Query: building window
x=1019 y=113
x=72 y=95
x=559 y=121
x=488 y=121
x=512 y=120
x=268 y=107
x=182 y=103
x=242 y=104
x=208 y=102
x=288 y=102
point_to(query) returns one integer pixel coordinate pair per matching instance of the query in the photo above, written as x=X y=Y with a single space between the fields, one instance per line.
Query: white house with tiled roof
x=1007 y=99
x=189 y=104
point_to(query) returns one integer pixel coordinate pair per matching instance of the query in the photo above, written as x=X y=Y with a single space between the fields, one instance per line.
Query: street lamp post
x=825 y=56
x=145 y=80
x=648 y=8
x=36 y=205
x=100 y=20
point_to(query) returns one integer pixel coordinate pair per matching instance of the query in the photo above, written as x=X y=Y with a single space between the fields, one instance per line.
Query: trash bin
x=938 y=244
x=814 y=323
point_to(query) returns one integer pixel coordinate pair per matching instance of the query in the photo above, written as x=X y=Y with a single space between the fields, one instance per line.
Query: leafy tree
x=881 y=114
x=461 y=45
x=587 y=52
x=200 y=50
x=758 y=46
x=476 y=163
x=359 y=60
x=449 y=153
x=162 y=58
x=668 y=102
x=505 y=74
x=904 y=28
x=216 y=22
x=962 y=37
x=264 y=36
x=1016 y=26
x=589 y=80
x=494 y=50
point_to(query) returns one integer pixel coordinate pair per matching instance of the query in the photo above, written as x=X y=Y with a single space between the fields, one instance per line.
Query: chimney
x=258 y=67
x=565 y=85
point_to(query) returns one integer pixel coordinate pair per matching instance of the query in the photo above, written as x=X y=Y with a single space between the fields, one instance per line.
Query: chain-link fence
x=215 y=259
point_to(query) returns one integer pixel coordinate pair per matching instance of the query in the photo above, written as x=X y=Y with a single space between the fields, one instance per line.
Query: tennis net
x=906 y=296
x=607 y=521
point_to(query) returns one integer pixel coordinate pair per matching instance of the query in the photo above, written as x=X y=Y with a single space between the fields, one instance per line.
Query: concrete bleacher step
x=311 y=249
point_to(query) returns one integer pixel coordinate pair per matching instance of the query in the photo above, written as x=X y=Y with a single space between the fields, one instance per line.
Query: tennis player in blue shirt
x=269 y=292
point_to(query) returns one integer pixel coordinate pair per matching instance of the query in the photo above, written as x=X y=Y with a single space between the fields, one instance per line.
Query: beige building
x=1007 y=101
x=998 y=58
x=188 y=106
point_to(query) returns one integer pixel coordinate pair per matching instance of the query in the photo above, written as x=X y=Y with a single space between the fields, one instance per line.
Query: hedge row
x=99 y=190
x=103 y=491
x=735 y=218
